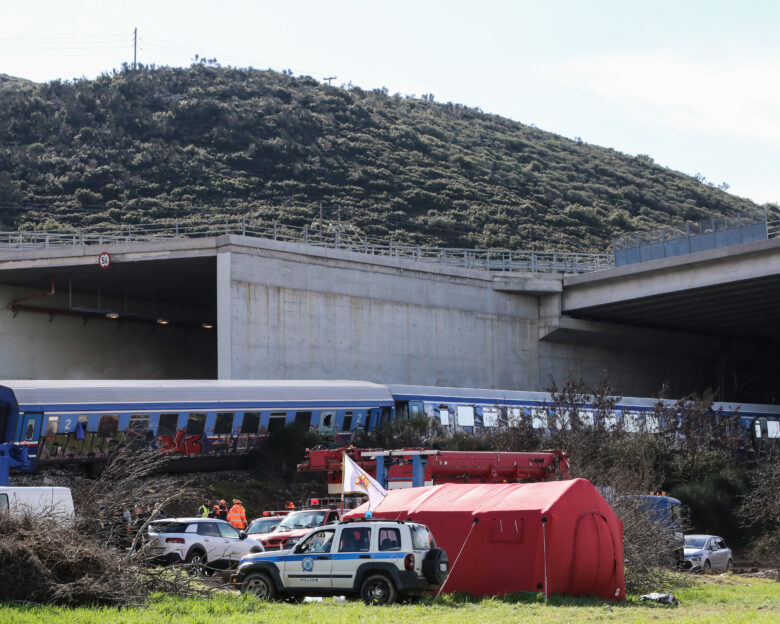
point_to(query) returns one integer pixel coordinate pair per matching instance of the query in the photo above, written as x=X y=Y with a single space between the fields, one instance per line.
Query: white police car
x=378 y=560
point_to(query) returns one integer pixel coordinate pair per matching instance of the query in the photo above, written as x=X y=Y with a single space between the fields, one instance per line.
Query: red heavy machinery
x=413 y=467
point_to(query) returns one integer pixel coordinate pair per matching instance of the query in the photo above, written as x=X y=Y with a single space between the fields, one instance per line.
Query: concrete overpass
x=245 y=307
x=728 y=296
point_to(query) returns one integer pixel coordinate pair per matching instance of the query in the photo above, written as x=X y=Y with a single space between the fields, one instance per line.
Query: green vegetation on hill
x=161 y=143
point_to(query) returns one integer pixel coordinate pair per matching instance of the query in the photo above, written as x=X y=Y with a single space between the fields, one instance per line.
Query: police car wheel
x=377 y=589
x=259 y=586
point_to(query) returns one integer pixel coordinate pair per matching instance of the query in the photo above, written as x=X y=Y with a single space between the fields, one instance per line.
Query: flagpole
x=343 y=473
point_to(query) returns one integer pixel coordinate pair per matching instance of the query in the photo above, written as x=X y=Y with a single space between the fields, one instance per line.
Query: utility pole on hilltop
x=135 y=46
x=329 y=78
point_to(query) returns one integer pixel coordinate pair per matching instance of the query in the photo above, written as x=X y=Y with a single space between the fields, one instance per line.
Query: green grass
x=719 y=599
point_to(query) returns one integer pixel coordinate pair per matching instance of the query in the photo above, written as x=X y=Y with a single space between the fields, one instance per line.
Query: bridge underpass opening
x=742 y=316
x=145 y=319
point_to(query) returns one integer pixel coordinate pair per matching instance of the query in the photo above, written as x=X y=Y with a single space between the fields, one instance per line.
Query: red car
x=297 y=524
x=261 y=526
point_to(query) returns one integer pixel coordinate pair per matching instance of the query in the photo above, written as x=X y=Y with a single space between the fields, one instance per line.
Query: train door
x=5 y=436
x=30 y=432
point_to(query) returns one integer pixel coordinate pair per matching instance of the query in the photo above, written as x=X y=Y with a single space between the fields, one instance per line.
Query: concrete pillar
x=224 y=313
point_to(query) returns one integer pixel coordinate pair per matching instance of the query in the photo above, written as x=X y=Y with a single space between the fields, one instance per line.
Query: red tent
x=555 y=537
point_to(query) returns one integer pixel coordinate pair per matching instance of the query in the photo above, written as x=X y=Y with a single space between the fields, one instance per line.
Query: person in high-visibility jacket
x=204 y=509
x=237 y=515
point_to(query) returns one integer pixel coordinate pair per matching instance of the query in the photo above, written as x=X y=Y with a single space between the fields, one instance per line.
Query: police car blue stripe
x=334 y=556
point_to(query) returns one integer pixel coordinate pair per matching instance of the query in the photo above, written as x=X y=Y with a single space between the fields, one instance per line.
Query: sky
x=692 y=84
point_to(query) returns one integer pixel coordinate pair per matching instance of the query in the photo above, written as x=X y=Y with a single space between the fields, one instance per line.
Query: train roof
x=402 y=392
x=30 y=394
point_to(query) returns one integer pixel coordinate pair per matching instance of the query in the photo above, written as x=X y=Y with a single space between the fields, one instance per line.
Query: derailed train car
x=71 y=421
x=475 y=410
x=60 y=422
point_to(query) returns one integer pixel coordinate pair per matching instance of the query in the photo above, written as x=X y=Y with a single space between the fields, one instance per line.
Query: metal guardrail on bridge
x=333 y=236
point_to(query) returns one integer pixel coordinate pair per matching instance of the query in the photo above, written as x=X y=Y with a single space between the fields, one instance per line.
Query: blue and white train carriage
x=78 y=421
x=59 y=422
x=474 y=410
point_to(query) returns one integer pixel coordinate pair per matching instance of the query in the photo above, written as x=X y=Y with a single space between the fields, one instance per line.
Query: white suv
x=378 y=560
x=205 y=543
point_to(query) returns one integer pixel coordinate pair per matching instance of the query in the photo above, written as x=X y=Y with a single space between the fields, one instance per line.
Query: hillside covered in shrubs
x=209 y=142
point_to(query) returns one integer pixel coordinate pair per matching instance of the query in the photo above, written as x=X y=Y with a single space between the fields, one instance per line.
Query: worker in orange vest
x=237 y=515
x=290 y=505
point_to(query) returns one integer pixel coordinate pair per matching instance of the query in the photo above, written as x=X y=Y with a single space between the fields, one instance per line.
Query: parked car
x=706 y=552
x=263 y=525
x=297 y=524
x=55 y=502
x=205 y=543
x=378 y=560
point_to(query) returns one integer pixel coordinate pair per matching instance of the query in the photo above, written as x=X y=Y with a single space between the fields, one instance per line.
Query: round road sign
x=104 y=260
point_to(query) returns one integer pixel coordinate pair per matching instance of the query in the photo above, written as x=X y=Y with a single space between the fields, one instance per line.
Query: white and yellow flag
x=358 y=481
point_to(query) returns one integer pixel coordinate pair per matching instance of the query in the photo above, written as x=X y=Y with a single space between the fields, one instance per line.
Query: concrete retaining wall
x=34 y=347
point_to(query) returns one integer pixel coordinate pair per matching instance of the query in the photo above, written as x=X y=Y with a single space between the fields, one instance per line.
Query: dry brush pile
x=45 y=561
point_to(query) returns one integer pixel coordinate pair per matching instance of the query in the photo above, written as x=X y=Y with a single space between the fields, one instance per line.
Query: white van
x=37 y=501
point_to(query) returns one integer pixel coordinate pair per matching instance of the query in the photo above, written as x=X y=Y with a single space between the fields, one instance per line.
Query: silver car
x=706 y=552
x=206 y=544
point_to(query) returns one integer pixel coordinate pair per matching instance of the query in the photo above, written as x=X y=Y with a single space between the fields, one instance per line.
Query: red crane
x=416 y=466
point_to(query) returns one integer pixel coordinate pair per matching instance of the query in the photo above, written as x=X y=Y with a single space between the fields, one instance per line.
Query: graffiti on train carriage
x=97 y=436
x=84 y=421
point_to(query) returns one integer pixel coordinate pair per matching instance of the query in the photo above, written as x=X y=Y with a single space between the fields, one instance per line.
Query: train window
x=631 y=422
x=347 y=424
x=224 y=423
x=196 y=424
x=539 y=419
x=167 y=426
x=444 y=415
x=514 y=416
x=52 y=424
x=277 y=421
x=108 y=426
x=586 y=418
x=415 y=409
x=81 y=426
x=651 y=423
x=139 y=425
x=772 y=429
x=251 y=422
x=29 y=430
x=3 y=419
x=303 y=420
x=3 y=502
x=327 y=421
x=490 y=416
